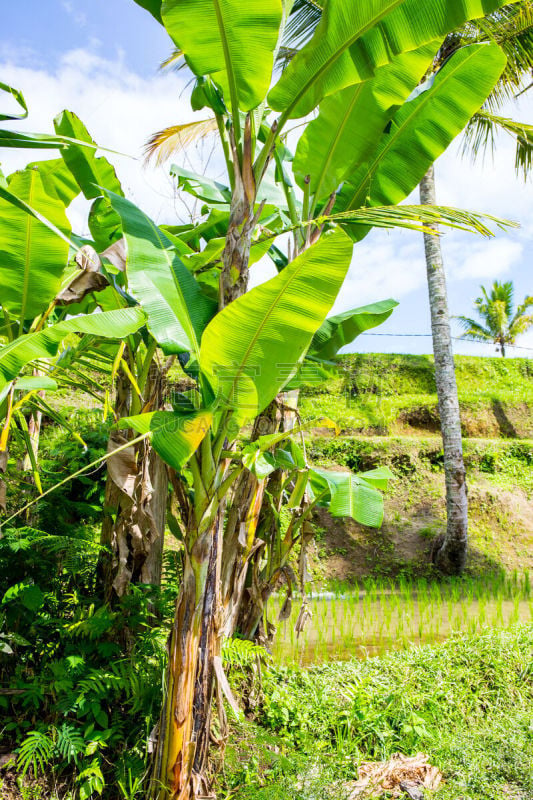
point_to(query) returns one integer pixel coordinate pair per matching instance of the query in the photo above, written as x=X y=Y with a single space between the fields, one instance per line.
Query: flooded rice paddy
x=376 y=616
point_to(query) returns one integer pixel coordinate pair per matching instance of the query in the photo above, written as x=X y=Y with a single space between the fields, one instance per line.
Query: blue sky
x=103 y=64
x=40 y=32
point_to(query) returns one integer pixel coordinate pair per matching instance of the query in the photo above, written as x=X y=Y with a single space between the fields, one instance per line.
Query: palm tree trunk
x=450 y=555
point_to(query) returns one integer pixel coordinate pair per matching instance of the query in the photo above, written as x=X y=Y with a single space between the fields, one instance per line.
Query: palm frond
x=304 y=17
x=175 y=60
x=421 y=218
x=480 y=136
x=418 y=217
x=474 y=331
x=163 y=144
x=520 y=325
x=522 y=308
x=511 y=27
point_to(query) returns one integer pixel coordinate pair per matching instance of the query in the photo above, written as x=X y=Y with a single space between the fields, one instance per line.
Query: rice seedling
x=373 y=616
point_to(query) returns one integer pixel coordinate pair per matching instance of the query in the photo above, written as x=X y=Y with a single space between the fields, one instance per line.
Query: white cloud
x=383 y=265
x=120 y=109
x=485 y=260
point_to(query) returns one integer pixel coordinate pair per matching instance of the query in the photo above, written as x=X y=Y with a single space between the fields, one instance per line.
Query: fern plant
x=36 y=751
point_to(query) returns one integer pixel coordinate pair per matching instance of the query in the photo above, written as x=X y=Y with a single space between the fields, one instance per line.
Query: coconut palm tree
x=502 y=323
x=512 y=28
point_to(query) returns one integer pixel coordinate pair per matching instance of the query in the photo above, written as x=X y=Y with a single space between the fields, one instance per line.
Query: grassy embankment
x=386 y=407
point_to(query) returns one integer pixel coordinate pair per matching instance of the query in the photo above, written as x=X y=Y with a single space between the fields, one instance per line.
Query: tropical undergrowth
x=80 y=682
x=466 y=704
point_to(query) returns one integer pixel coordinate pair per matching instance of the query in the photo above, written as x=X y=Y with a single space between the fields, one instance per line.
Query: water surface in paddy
x=378 y=617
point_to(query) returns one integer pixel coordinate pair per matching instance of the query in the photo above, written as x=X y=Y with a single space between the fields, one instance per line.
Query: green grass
x=375 y=392
x=505 y=463
x=466 y=704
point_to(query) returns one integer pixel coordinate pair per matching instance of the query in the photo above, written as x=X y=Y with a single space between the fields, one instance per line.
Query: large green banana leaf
x=22 y=205
x=201 y=186
x=353 y=498
x=423 y=128
x=32 y=257
x=349 y=495
x=153 y=6
x=19 y=97
x=104 y=224
x=250 y=349
x=231 y=40
x=378 y=477
x=45 y=343
x=353 y=39
x=37 y=141
x=90 y=171
x=340 y=330
x=177 y=310
x=217 y=194
x=351 y=121
x=58 y=178
x=32 y=383
x=174 y=436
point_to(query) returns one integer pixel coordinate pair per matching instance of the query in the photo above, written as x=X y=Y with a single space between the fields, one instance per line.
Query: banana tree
x=230 y=47
x=245 y=355
x=137 y=486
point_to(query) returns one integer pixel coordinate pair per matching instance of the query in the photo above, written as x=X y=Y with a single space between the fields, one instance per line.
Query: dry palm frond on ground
x=401 y=775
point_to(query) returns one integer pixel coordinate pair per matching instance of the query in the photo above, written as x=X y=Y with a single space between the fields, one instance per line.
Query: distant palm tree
x=502 y=322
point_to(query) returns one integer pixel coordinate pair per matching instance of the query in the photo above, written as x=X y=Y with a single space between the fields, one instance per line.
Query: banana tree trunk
x=4 y=455
x=135 y=504
x=450 y=554
x=180 y=764
x=240 y=543
x=257 y=585
x=34 y=430
x=236 y=255
x=180 y=761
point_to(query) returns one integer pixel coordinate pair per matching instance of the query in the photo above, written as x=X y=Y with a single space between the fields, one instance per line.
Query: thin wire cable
x=455 y=339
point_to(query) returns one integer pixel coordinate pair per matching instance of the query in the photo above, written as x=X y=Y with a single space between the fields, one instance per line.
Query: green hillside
x=386 y=408
x=387 y=393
